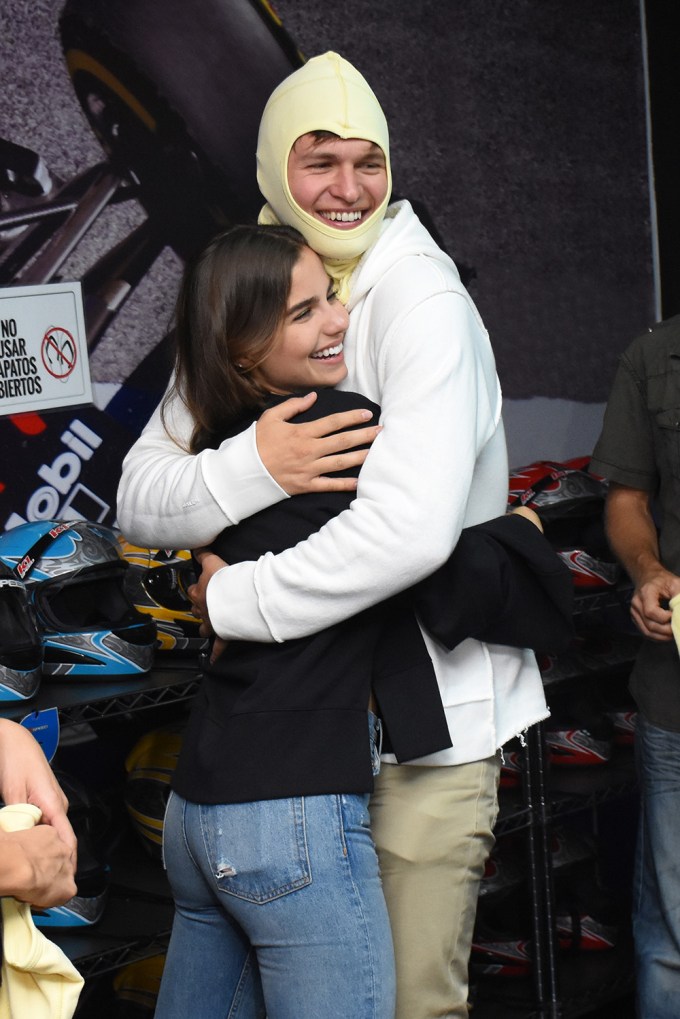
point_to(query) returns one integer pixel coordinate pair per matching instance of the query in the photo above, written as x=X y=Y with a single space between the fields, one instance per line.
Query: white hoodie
x=417 y=346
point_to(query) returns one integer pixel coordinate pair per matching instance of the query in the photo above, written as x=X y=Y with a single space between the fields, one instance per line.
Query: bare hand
x=529 y=514
x=646 y=607
x=210 y=564
x=37 y=866
x=26 y=777
x=299 y=455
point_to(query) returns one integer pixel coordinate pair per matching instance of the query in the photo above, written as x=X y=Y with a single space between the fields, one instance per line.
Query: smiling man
x=416 y=346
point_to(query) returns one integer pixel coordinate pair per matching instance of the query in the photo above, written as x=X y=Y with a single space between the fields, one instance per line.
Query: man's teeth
x=329 y=352
x=342 y=217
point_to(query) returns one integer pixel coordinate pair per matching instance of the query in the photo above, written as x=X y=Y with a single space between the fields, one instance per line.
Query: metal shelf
x=608 y=598
x=591 y=979
x=87 y=701
x=136 y=921
x=575 y=789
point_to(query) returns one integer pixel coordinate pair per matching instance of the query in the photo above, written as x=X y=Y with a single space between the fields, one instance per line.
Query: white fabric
x=417 y=346
x=38 y=980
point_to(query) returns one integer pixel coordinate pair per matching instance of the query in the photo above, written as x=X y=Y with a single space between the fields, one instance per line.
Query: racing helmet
x=570 y=502
x=579 y=733
x=157 y=583
x=150 y=766
x=21 y=652
x=556 y=490
x=74 y=575
x=92 y=823
x=136 y=988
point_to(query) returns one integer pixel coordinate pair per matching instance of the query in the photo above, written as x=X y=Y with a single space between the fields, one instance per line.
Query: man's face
x=336 y=180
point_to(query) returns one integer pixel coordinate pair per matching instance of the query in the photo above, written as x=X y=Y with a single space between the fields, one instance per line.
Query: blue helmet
x=94 y=826
x=74 y=575
x=21 y=652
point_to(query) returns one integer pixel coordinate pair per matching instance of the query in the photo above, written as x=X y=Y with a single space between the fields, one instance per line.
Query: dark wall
x=663 y=32
x=522 y=126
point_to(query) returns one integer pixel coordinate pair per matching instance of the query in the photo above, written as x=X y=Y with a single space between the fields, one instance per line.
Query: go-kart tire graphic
x=174 y=91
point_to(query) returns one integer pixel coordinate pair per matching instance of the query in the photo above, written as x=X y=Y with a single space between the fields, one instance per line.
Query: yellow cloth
x=325 y=94
x=339 y=271
x=38 y=980
x=674 y=605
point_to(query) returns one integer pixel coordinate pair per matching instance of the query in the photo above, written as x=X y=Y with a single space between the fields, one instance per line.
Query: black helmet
x=74 y=574
x=21 y=652
x=570 y=502
x=91 y=820
x=157 y=582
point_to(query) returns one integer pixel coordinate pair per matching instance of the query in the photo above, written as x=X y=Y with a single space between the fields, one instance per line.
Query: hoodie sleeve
x=441 y=417
x=169 y=498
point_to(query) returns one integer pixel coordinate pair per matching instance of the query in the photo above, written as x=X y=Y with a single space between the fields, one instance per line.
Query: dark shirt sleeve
x=624 y=452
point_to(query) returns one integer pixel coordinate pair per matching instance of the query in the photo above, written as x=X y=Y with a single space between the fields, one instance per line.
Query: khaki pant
x=433 y=828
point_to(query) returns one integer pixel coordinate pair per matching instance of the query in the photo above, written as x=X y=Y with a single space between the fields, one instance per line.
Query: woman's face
x=307 y=350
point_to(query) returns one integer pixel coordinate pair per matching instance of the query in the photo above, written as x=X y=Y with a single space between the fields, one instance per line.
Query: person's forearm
x=441 y=408
x=633 y=538
x=172 y=499
x=632 y=533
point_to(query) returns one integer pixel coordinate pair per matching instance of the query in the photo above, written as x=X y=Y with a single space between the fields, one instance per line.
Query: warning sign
x=43 y=349
x=58 y=352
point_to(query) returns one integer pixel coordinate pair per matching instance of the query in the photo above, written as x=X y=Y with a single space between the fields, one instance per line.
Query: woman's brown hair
x=231 y=302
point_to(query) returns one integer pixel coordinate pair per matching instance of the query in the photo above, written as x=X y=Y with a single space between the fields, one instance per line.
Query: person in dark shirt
x=638 y=452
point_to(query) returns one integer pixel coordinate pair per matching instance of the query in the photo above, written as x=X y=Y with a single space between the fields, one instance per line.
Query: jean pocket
x=257 y=851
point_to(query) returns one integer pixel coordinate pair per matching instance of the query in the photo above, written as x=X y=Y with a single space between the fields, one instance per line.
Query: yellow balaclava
x=325 y=94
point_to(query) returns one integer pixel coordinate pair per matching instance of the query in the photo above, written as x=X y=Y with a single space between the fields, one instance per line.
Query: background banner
x=127 y=135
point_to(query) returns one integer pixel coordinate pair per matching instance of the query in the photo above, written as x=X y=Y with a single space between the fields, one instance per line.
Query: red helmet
x=570 y=502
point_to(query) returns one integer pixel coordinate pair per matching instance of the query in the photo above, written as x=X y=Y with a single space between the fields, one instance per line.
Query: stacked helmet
x=570 y=503
x=91 y=821
x=21 y=652
x=502 y=938
x=578 y=733
x=150 y=766
x=157 y=584
x=75 y=579
x=136 y=988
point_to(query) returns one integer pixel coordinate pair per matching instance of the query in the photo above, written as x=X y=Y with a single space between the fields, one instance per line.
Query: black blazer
x=274 y=720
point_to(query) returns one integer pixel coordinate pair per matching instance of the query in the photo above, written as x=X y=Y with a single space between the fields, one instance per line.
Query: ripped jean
x=279 y=911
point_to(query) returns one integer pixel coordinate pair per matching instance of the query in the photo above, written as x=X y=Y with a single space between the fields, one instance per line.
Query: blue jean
x=279 y=910
x=656 y=903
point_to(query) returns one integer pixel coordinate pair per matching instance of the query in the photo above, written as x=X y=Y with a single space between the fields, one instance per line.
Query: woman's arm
x=441 y=409
x=170 y=498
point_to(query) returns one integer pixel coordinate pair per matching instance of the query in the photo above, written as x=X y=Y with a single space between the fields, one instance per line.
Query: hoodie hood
x=326 y=94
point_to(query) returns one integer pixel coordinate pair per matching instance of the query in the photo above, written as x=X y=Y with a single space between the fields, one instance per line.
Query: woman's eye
x=332 y=295
x=305 y=313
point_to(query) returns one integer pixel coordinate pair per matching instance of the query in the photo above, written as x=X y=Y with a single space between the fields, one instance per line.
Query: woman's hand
x=26 y=777
x=210 y=564
x=299 y=456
